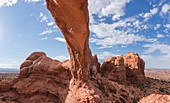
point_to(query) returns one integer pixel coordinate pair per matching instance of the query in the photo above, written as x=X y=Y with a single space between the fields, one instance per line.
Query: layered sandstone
x=124 y=69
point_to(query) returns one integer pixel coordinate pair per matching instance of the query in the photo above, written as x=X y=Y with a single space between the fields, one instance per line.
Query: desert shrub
x=145 y=91
x=101 y=87
x=3 y=99
x=133 y=92
x=117 y=101
x=167 y=93
x=136 y=100
x=14 y=99
x=161 y=89
x=124 y=96
x=162 y=81
x=122 y=100
x=118 y=81
x=113 y=90
x=149 y=82
x=141 y=87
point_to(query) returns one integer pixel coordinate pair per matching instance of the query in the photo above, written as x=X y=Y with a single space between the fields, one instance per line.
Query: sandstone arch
x=72 y=18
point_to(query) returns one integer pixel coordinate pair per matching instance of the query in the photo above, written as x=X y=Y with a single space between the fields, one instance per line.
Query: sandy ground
x=161 y=74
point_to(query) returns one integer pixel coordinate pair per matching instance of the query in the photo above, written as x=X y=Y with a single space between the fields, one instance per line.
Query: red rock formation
x=44 y=80
x=134 y=68
x=156 y=98
x=73 y=20
x=96 y=62
x=114 y=69
x=41 y=80
x=124 y=69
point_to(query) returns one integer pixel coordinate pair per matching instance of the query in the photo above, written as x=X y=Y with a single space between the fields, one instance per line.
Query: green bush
x=3 y=99
x=133 y=92
x=136 y=100
x=167 y=93
x=101 y=87
x=161 y=89
x=141 y=87
x=14 y=99
x=113 y=90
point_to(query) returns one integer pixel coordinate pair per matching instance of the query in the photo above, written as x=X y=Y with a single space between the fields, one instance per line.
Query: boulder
x=155 y=98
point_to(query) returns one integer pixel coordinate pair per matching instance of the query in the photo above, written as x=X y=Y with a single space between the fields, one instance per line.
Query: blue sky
x=116 y=27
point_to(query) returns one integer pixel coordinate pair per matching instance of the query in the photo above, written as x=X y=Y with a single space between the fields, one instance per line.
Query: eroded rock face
x=41 y=80
x=124 y=69
x=134 y=68
x=114 y=69
x=44 y=80
x=73 y=20
x=156 y=98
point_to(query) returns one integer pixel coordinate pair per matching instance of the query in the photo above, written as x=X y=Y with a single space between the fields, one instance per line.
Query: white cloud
x=50 y=23
x=45 y=38
x=116 y=17
x=165 y=8
x=60 y=39
x=157 y=26
x=161 y=62
x=125 y=31
x=47 y=31
x=107 y=35
x=43 y=17
x=7 y=2
x=157 y=61
x=161 y=2
x=163 y=48
x=12 y=2
x=105 y=55
x=108 y=7
x=117 y=38
x=167 y=26
x=160 y=35
x=62 y=58
x=33 y=1
x=152 y=12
